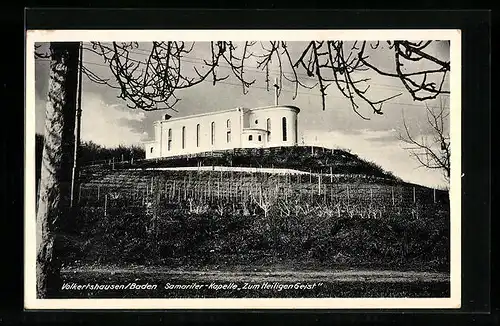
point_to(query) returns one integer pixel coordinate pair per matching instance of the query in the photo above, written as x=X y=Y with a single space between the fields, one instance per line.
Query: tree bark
x=57 y=161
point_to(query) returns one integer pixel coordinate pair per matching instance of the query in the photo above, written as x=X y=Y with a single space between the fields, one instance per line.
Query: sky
x=106 y=120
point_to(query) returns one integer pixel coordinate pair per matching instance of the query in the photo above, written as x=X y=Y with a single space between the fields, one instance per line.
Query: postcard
x=242 y=169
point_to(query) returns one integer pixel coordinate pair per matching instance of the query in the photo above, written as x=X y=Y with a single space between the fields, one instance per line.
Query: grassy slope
x=348 y=170
x=308 y=159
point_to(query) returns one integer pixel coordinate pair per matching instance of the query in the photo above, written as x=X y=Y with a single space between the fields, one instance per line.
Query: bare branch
x=432 y=151
x=148 y=80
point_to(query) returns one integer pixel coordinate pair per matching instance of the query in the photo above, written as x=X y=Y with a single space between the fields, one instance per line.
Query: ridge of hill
x=301 y=169
x=309 y=159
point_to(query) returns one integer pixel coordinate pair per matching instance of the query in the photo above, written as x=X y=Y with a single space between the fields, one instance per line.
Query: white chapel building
x=261 y=127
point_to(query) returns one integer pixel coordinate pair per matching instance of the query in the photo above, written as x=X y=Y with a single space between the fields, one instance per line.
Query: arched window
x=212 y=133
x=169 y=142
x=283 y=124
x=228 y=131
x=151 y=150
x=198 y=135
x=260 y=138
x=250 y=137
x=268 y=124
x=183 y=137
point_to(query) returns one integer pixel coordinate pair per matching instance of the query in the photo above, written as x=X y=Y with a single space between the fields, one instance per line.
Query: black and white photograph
x=242 y=169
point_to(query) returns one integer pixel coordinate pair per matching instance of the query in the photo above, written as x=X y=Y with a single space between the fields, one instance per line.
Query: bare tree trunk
x=57 y=161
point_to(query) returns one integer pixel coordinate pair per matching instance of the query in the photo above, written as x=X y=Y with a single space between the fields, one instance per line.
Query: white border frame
x=454 y=301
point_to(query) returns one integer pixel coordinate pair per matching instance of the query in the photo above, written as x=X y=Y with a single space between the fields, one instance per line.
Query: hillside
x=284 y=208
x=358 y=216
x=307 y=170
x=301 y=158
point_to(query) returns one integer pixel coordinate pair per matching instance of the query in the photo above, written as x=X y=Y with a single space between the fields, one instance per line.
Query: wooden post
x=286 y=189
x=76 y=169
x=105 y=204
x=331 y=174
x=310 y=176
x=371 y=195
x=414 y=199
x=113 y=166
x=392 y=191
x=319 y=184
x=98 y=191
x=434 y=191
x=204 y=193
x=122 y=157
x=185 y=188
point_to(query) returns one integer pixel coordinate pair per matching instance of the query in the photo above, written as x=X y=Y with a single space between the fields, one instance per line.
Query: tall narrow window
x=296 y=130
x=283 y=122
x=228 y=131
x=212 y=133
x=260 y=138
x=169 y=142
x=183 y=137
x=268 y=124
x=250 y=137
x=198 y=135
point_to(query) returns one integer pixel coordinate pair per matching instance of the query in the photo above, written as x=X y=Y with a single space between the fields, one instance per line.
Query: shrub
x=182 y=237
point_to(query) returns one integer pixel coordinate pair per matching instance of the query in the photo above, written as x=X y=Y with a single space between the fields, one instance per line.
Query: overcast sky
x=106 y=119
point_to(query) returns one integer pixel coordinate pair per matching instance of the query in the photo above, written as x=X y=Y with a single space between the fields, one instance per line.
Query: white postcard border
x=454 y=301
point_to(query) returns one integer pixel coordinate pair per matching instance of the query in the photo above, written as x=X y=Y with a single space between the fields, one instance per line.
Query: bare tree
x=152 y=81
x=265 y=199
x=55 y=180
x=432 y=150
